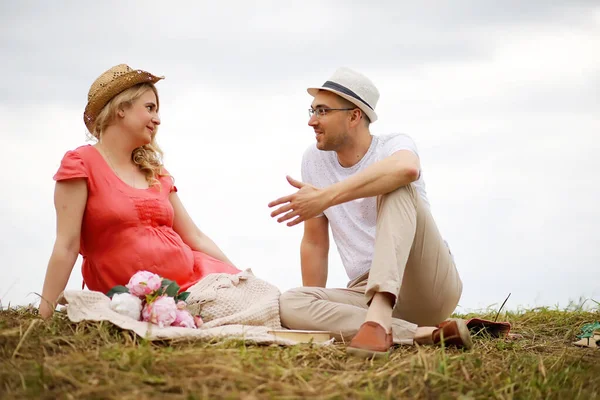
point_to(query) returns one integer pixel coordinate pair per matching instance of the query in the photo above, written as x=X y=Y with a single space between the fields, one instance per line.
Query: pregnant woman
x=116 y=204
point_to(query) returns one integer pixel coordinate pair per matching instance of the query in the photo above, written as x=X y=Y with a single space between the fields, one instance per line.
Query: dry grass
x=59 y=359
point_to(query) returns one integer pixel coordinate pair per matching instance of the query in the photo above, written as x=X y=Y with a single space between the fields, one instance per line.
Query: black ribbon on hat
x=345 y=90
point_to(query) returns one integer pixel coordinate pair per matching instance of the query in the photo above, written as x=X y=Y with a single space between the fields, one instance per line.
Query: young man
x=370 y=189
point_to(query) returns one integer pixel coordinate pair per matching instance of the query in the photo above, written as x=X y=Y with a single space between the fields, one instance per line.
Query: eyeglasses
x=323 y=111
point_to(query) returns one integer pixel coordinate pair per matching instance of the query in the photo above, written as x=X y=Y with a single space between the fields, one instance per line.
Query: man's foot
x=371 y=341
x=454 y=333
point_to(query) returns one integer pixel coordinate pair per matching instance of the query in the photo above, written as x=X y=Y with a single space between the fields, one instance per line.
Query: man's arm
x=382 y=177
x=314 y=252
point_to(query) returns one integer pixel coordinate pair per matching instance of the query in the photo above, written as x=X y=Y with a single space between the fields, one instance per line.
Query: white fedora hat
x=354 y=87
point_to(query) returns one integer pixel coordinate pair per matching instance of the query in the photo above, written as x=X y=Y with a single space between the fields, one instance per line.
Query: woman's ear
x=121 y=113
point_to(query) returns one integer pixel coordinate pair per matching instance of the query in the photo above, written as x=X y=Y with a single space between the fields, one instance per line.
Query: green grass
x=59 y=359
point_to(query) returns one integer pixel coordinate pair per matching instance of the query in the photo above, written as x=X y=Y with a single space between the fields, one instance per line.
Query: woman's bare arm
x=191 y=234
x=70 y=197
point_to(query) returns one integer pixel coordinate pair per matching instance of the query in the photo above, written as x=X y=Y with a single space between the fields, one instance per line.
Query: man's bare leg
x=380 y=311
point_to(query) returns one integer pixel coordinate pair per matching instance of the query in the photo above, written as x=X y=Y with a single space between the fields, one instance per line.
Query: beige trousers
x=410 y=261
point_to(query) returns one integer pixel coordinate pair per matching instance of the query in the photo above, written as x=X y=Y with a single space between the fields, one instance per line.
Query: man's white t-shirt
x=353 y=223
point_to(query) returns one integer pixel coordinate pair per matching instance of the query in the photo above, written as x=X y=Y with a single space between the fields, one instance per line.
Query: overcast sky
x=502 y=99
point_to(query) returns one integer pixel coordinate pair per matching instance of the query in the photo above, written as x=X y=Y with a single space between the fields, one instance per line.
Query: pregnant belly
x=168 y=257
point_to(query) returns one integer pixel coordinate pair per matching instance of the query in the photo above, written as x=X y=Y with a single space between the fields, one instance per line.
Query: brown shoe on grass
x=371 y=341
x=454 y=333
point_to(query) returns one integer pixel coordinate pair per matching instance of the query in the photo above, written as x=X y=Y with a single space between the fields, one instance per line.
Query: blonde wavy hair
x=148 y=157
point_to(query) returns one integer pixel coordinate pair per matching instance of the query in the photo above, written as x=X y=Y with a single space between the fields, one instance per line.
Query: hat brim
x=366 y=109
x=113 y=88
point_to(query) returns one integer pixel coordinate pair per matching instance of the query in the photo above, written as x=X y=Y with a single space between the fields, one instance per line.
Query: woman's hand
x=46 y=309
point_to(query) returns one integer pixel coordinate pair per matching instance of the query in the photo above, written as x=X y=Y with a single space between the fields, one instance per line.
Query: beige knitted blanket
x=239 y=306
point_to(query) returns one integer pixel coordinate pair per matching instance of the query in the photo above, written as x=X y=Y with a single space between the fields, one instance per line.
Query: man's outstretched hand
x=306 y=203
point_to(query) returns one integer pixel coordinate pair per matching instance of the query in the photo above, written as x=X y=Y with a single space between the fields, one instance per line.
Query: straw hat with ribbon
x=112 y=82
x=354 y=87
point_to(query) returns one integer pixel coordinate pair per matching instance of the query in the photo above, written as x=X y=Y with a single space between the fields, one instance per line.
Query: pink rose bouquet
x=162 y=311
x=184 y=319
x=144 y=283
x=155 y=300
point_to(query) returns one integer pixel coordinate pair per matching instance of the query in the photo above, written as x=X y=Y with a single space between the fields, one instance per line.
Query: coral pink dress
x=125 y=230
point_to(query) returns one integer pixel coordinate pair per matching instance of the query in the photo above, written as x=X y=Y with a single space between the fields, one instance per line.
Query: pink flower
x=161 y=311
x=126 y=304
x=143 y=283
x=184 y=319
x=181 y=305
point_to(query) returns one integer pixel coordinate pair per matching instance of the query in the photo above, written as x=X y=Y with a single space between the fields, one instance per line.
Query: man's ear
x=356 y=116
